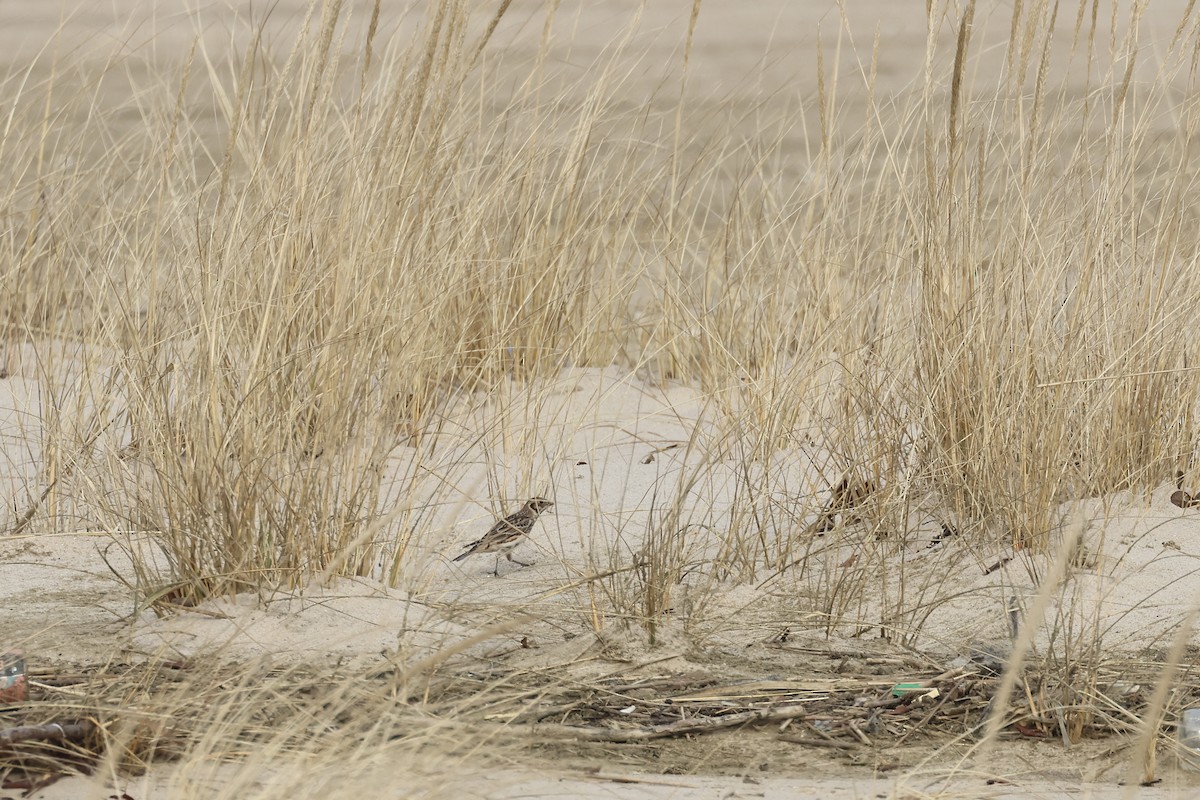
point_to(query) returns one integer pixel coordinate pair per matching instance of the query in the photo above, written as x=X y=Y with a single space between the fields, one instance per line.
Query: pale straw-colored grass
x=975 y=293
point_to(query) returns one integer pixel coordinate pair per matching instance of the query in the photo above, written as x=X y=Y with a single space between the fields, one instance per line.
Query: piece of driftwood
x=54 y=732
x=748 y=691
x=677 y=728
x=997 y=565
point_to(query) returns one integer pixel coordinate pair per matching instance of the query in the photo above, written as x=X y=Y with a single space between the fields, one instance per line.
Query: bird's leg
x=508 y=555
x=496 y=571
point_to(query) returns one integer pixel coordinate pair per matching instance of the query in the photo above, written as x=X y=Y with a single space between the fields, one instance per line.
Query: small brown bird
x=506 y=534
x=850 y=493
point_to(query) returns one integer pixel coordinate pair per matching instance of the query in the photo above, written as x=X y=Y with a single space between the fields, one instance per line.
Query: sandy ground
x=634 y=786
x=613 y=442
x=618 y=442
x=67 y=606
x=605 y=462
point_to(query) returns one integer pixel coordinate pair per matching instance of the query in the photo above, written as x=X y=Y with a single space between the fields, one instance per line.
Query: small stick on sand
x=54 y=732
x=698 y=725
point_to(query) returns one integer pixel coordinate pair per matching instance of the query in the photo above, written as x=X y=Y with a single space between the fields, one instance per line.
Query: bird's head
x=538 y=504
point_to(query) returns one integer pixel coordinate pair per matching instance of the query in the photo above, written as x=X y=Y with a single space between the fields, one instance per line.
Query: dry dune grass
x=301 y=256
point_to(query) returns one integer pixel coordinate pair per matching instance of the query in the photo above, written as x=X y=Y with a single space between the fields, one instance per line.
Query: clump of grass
x=351 y=265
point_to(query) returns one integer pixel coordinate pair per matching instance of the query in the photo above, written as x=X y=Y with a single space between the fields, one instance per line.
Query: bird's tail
x=464 y=555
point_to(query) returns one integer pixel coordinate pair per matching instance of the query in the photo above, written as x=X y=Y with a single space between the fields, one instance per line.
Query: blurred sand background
x=742 y=51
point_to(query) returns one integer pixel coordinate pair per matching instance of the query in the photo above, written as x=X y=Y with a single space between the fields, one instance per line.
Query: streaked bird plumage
x=507 y=533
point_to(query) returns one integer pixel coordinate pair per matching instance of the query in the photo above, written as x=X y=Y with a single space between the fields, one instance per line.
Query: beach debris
x=14 y=687
x=53 y=732
x=925 y=692
x=33 y=757
x=997 y=565
x=691 y=725
x=1189 y=739
x=650 y=457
